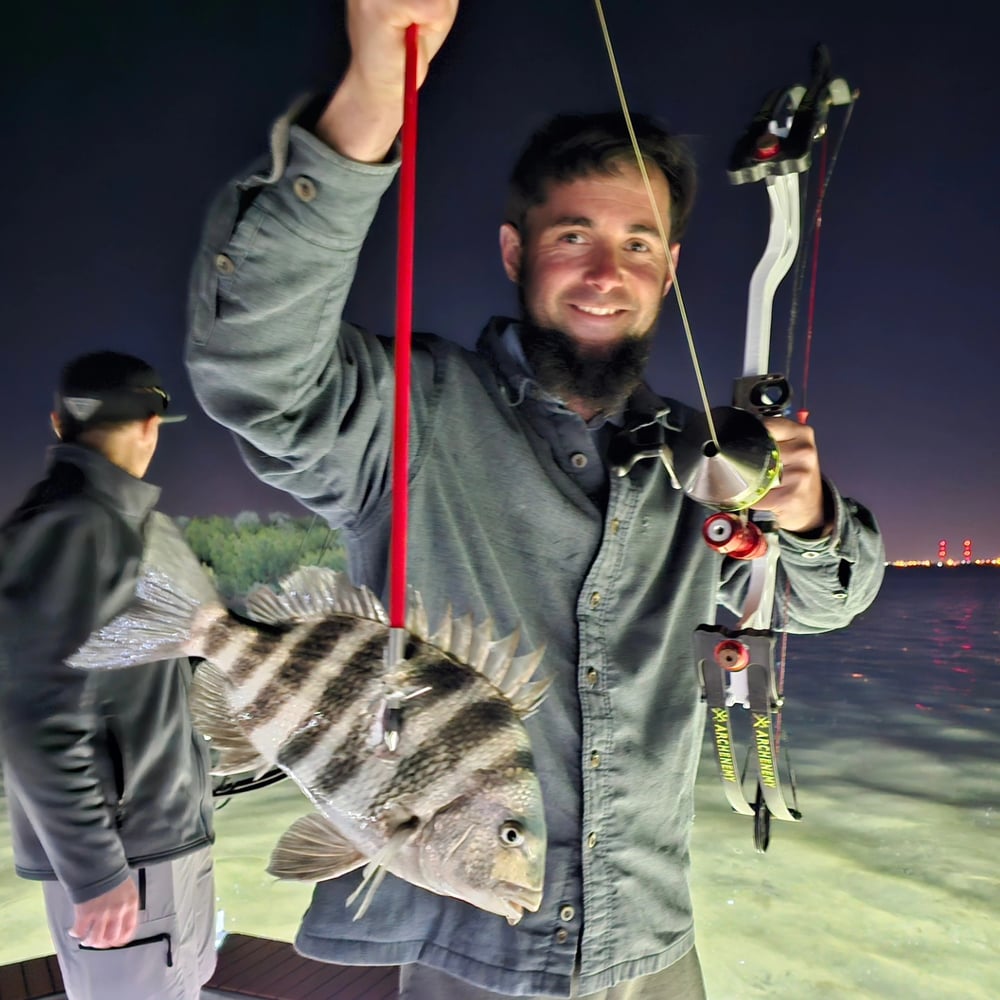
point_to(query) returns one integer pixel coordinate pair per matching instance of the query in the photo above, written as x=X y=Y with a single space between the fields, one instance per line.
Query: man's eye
x=571 y=237
x=637 y=246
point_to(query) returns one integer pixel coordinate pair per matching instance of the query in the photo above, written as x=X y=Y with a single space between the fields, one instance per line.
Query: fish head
x=487 y=846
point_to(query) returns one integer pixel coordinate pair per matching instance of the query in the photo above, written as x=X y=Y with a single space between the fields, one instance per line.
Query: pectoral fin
x=312 y=849
x=213 y=718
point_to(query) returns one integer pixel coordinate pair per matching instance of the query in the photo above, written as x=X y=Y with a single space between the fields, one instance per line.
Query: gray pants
x=680 y=981
x=173 y=951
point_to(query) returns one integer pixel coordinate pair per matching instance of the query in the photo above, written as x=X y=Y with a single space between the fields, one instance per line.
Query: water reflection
x=887 y=888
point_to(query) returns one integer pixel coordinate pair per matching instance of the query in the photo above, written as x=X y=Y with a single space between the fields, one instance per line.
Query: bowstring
x=661 y=229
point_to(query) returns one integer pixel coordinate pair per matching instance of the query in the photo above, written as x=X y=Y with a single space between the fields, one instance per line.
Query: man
x=512 y=511
x=107 y=783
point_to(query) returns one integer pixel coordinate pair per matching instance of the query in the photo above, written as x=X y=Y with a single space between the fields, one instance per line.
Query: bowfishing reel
x=728 y=463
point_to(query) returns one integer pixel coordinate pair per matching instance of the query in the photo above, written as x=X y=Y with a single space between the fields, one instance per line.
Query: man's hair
x=572 y=146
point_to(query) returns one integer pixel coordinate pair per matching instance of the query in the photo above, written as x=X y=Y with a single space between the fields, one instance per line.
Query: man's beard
x=602 y=377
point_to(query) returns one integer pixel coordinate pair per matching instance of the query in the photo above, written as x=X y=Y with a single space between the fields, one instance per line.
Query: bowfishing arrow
x=402 y=365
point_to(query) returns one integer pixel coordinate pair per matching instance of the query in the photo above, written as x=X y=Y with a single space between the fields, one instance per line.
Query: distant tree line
x=246 y=550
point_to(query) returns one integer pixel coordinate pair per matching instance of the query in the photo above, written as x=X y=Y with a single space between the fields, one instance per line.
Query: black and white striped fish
x=421 y=767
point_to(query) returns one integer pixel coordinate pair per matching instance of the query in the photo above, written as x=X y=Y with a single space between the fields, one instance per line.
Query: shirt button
x=595 y=759
x=592 y=840
x=615 y=526
x=566 y=914
x=595 y=599
x=562 y=935
x=579 y=460
x=810 y=554
x=304 y=188
x=591 y=676
x=224 y=264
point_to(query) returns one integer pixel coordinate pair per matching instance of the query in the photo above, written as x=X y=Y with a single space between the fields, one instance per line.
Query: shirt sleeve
x=831 y=580
x=51 y=587
x=308 y=395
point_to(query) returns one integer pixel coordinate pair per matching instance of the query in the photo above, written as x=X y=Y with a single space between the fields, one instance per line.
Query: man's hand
x=366 y=112
x=108 y=920
x=797 y=503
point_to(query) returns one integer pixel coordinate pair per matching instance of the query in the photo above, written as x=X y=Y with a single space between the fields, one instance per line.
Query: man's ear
x=510 y=251
x=150 y=428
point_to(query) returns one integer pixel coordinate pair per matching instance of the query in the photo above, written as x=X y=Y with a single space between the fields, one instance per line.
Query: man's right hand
x=366 y=111
x=108 y=920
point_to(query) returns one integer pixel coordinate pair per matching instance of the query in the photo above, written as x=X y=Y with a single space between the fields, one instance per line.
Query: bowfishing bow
x=737 y=665
x=725 y=458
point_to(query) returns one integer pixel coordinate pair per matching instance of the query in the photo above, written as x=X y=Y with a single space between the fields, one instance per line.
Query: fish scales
x=466 y=742
x=312 y=647
x=357 y=684
x=482 y=738
x=333 y=765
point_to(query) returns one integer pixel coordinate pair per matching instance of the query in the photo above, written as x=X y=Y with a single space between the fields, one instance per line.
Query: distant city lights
x=943 y=561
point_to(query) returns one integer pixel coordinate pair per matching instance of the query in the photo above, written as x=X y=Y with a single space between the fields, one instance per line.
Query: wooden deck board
x=36 y=978
x=272 y=970
x=256 y=968
x=12 y=983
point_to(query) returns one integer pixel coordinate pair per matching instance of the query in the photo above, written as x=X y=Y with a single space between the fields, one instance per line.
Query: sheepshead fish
x=420 y=767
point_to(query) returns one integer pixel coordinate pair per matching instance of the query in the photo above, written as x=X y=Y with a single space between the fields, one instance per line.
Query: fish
x=417 y=763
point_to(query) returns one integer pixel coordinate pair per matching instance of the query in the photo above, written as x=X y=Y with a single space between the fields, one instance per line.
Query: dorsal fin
x=513 y=675
x=416 y=615
x=311 y=594
x=442 y=634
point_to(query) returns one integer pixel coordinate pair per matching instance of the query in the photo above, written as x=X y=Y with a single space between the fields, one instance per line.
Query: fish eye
x=511 y=834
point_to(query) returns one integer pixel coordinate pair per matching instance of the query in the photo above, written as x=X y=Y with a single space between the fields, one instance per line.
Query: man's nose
x=603 y=268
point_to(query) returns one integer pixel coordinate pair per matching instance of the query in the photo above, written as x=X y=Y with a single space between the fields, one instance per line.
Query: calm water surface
x=887 y=888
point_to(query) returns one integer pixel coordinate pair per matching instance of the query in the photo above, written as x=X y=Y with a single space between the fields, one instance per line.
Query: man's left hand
x=797 y=503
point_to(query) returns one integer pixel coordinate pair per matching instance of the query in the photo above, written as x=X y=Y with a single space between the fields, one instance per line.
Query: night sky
x=120 y=122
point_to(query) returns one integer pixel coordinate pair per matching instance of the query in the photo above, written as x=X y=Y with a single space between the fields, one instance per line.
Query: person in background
x=513 y=513
x=107 y=782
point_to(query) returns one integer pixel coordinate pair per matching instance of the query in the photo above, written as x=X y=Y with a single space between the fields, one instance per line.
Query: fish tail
x=172 y=589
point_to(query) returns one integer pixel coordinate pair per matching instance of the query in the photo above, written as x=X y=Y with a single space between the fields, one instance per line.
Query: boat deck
x=249 y=967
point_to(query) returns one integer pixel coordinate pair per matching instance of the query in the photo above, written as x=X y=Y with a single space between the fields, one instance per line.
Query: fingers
x=108 y=920
x=365 y=112
x=797 y=503
x=376 y=29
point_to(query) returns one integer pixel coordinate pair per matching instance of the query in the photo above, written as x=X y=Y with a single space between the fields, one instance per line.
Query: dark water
x=921 y=666
x=889 y=886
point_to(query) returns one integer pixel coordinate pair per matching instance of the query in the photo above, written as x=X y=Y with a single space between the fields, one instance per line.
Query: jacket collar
x=120 y=490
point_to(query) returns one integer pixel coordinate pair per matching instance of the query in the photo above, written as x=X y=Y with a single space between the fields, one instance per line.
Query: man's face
x=591 y=265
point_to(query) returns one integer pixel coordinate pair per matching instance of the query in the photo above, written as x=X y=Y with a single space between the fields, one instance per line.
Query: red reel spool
x=732 y=655
x=732 y=536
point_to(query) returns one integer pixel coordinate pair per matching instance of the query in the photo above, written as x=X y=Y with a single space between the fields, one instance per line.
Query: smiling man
x=582 y=243
x=512 y=512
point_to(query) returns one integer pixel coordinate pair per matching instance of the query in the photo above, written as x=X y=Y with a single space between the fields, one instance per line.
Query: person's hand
x=797 y=503
x=108 y=920
x=365 y=113
x=376 y=30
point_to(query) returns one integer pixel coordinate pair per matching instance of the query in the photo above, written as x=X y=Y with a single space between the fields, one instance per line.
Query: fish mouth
x=518 y=898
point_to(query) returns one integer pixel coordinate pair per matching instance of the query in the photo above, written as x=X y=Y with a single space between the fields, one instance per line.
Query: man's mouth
x=598 y=310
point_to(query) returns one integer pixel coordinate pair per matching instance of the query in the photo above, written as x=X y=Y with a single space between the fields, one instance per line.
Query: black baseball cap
x=106 y=387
